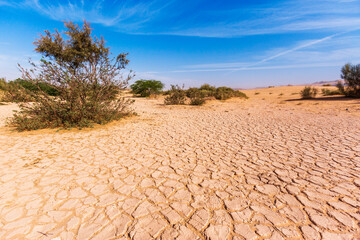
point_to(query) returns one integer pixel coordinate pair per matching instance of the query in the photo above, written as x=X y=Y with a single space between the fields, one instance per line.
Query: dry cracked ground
x=233 y=170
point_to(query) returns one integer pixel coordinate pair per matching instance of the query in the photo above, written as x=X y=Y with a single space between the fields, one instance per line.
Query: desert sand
x=270 y=167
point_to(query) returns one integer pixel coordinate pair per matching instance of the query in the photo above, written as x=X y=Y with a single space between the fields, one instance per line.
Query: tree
x=79 y=67
x=146 y=87
x=351 y=75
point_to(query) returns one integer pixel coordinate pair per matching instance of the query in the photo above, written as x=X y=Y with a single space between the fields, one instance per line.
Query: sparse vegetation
x=86 y=80
x=328 y=92
x=145 y=88
x=257 y=93
x=326 y=85
x=308 y=92
x=223 y=93
x=177 y=96
x=351 y=76
x=197 y=100
x=198 y=96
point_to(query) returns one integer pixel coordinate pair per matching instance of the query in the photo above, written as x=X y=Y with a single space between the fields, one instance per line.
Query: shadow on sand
x=332 y=98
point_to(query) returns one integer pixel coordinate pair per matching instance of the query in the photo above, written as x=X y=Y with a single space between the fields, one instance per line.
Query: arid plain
x=270 y=167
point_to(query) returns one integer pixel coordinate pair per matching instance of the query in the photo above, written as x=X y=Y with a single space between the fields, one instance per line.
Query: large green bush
x=351 y=76
x=84 y=78
x=145 y=88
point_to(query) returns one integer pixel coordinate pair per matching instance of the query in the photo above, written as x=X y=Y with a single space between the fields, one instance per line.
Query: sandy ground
x=263 y=168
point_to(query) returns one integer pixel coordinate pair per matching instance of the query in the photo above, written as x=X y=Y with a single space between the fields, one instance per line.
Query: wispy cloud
x=229 y=19
x=127 y=14
x=326 y=58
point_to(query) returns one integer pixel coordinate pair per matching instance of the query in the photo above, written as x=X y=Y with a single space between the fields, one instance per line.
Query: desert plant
x=308 y=92
x=223 y=93
x=328 y=92
x=208 y=87
x=326 y=85
x=341 y=87
x=3 y=84
x=79 y=67
x=145 y=88
x=177 y=96
x=351 y=76
x=197 y=101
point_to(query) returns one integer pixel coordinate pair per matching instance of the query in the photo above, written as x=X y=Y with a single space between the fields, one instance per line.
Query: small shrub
x=328 y=92
x=223 y=93
x=191 y=92
x=240 y=94
x=145 y=88
x=197 y=101
x=257 y=93
x=177 y=96
x=326 y=85
x=281 y=94
x=308 y=92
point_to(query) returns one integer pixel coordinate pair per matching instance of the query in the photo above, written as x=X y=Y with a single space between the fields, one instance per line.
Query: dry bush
x=177 y=96
x=87 y=81
x=308 y=92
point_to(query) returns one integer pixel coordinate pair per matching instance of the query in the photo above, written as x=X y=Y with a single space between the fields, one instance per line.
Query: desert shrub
x=240 y=94
x=83 y=74
x=208 y=87
x=197 y=96
x=326 y=85
x=351 y=76
x=145 y=88
x=308 y=92
x=257 y=93
x=328 y=92
x=341 y=87
x=3 y=84
x=223 y=93
x=192 y=92
x=197 y=101
x=35 y=87
x=177 y=96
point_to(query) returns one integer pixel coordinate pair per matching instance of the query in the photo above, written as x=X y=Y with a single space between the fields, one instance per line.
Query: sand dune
x=241 y=169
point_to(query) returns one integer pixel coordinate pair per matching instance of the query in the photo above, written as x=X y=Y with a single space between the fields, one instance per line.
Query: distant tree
x=87 y=79
x=145 y=88
x=351 y=75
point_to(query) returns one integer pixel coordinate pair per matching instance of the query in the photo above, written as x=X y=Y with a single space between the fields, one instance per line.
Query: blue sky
x=239 y=43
